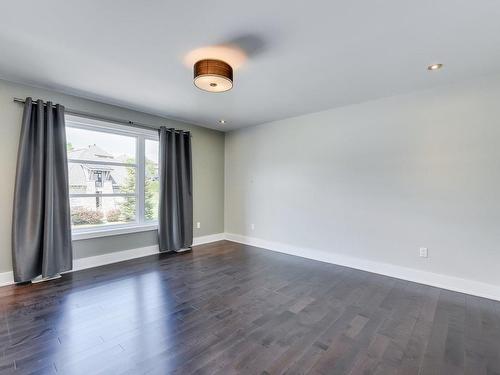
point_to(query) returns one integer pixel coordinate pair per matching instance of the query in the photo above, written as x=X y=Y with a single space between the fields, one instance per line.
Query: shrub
x=113 y=215
x=84 y=215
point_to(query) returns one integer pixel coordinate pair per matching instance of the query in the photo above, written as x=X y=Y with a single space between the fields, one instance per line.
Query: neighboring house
x=94 y=178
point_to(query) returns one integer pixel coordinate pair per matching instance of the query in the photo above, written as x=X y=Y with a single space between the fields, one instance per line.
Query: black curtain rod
x=105 y=118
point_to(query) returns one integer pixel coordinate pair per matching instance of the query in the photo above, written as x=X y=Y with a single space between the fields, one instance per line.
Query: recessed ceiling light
x=434 y=66
x=213 y=75
x=222 y=121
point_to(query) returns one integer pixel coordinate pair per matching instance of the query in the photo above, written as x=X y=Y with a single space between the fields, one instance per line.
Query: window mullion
x=141 y=176
x=90 y=195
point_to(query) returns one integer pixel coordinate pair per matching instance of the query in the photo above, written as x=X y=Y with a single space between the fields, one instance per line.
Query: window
x=113 y=175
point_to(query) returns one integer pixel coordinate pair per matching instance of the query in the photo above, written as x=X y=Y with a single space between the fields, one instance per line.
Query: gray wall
x=208 y=170
x=379 y=180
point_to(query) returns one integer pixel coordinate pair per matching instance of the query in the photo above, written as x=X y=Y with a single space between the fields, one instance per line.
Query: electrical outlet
x=252 y=226
x=198 y=225
x=424 y=253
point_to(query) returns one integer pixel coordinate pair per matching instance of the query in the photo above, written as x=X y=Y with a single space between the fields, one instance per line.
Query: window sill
x=80 y=234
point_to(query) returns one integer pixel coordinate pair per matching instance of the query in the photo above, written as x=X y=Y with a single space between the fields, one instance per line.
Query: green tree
x=128 y=206
x=151 y=190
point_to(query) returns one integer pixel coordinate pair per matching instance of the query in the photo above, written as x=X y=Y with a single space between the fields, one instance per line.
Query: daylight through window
x=113 y=174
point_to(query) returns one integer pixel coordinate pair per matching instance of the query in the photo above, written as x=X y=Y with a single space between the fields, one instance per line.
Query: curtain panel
x=175 y=219
x=41 y=227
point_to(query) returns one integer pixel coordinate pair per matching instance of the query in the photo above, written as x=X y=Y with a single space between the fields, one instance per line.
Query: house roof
x=77 y=175
x=76 y=171
x=91 y=152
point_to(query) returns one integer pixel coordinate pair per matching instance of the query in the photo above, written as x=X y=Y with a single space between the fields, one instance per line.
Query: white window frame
x=141 y=135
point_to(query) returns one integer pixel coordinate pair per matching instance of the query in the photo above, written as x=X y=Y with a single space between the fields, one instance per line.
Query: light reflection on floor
x=133 y=314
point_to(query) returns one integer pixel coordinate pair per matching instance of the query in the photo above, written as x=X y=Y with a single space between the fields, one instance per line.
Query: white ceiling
x=301 y=56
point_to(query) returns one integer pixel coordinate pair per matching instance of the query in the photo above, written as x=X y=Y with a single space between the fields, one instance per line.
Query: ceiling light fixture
x=222 y=121
x=434 y=66
x=213 y=75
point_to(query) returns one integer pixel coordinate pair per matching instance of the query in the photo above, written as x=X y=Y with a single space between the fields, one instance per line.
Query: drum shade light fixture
x=213 y=75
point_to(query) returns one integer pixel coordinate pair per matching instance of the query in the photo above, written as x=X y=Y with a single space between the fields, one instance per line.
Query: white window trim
x=110 y=230
x=141 y=135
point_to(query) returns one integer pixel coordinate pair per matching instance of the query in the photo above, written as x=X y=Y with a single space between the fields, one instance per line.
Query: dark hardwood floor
x=226 y=308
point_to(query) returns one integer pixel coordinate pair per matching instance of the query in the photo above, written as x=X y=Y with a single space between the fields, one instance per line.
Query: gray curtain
x=41 y=227
x=175 y=219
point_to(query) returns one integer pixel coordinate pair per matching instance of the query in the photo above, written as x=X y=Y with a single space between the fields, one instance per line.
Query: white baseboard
x=423 y=277
x=207 y=239
x=453 y=283
x=7 y=278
